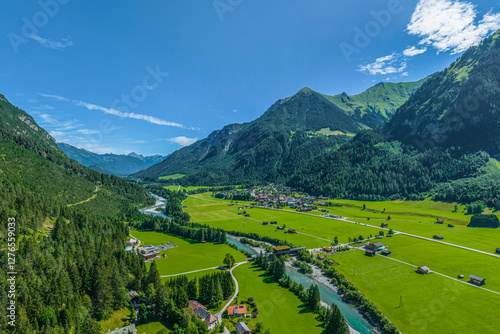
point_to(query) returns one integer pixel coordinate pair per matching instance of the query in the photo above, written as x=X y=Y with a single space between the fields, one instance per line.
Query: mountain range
x=121 y=165
x=291 y=132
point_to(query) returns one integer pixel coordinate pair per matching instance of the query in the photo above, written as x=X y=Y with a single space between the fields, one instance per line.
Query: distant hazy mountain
x=116 y=164
x=292 y=131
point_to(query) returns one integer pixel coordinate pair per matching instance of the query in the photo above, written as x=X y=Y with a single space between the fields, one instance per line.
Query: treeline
x=484 y=188
x=256 y=236
x=350 y=293
x=332 y=319
x=371 y=168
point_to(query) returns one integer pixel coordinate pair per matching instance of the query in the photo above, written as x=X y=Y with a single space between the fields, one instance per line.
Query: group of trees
x=333 y=320
x=214 y=288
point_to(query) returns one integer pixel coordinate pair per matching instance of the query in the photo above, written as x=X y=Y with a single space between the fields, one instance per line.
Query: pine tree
x=336 y=323
x=313 y=298
x=192 y=289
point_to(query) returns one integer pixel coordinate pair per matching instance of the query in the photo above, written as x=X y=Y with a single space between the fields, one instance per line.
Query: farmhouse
x=423 y=270
x=375 y=246
x=370 y=252
x=242 y=328
x=238 y=310
x=476 y=280
x=327 y=249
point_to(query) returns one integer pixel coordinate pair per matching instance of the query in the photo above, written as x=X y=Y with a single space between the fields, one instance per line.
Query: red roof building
x=237 y=310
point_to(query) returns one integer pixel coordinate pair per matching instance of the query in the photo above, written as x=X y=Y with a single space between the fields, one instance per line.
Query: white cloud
x=413 y=51
x=87 y=131
x=389 y=64
x=111 y=111
x=47 y=43
x=184 y=141
x=405 y=74
x=450 y=25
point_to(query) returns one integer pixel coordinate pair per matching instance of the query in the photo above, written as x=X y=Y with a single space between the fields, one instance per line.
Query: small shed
x=498 y=250
x=451 y=225
x=423 y=270
x=386 y=252
x=476 y=280
x=369 y=252
x=242 y=328
x=438 y=237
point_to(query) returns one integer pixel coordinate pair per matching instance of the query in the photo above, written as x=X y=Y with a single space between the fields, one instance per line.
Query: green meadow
x=445 y=259
x=313 y=231
x=430 y=303
x=188 y=255
x=280 y=310
x=172 y=177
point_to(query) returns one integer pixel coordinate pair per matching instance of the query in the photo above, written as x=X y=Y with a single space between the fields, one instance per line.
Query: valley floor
x=438 y=302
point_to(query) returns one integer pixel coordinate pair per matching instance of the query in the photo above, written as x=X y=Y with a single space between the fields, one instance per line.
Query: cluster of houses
x=372 y=248
x=278 y=195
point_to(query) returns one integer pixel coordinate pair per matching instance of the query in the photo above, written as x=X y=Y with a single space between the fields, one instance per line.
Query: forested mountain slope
x=438 y=143
x=78 y=273
x=459 y=106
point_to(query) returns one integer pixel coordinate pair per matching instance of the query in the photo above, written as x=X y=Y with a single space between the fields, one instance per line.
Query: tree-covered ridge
x=371 y=168
x=279 y=142
x=459 y=106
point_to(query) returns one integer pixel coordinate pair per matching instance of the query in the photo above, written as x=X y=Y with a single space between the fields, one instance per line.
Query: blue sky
x=151 y=76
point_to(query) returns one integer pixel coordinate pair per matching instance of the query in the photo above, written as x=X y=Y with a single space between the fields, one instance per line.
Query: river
x=328 y=295
x=151 y=211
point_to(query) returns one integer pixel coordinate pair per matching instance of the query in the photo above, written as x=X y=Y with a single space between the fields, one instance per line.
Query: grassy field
x=313 y=231
x=150 y=328
x=118 y=319
x=172 y=177
x=451 y=261
x=431 y=303
x=279 y=309
x=410 y=217
x=188 y=255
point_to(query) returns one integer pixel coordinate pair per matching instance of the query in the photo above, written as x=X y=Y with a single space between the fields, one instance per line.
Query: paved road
x=190 y=272
x=236 y=290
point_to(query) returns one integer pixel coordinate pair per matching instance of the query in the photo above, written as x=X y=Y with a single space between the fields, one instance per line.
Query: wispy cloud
x=389 y=64
x=449 y=25
x=182 y=140
x=48 y=43
x=112 y=111
x=413 y=51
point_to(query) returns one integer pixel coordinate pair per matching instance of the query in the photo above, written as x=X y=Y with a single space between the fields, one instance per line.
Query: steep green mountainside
x=116 y=164
x=34 y=170
x=459 y=106
x=378 y=103
x=274 y=146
